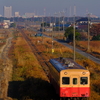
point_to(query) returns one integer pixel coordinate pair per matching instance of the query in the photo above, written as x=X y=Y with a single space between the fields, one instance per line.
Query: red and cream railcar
x=69 y=79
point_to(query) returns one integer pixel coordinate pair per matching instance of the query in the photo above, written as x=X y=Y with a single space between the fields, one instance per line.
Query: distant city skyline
x=49 y=7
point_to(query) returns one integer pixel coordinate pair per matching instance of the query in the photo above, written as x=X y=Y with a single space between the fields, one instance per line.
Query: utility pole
x=74 y=38
x=50 y=23
x=45 y=16
x=74 y=35
x=52 y=44
x=42 y=24
x=88 y=33
x=63 y=20
x=42 y=29
x=59 y=25
x=55 y=24
x=55 y=20
x=70 y=13
x=52 y=38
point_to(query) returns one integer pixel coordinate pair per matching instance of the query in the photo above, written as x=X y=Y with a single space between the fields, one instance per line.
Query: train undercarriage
x=73 y=98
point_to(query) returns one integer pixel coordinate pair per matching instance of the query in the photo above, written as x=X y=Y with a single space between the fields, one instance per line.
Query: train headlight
x=65 y=73
x=83 y=73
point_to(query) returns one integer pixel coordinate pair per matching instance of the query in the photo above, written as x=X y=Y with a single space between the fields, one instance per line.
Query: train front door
x=75 y=86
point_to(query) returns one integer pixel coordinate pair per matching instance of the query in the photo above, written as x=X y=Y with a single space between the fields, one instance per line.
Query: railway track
x=43 y=62
x=40 y=57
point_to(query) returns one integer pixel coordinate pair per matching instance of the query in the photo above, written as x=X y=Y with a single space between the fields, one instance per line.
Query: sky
x=53 y=6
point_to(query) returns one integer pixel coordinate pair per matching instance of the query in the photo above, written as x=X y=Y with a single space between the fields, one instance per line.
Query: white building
x=8 y=12
x=17 y=14
x=93 y=16
x=29 y=15
x=6 y=23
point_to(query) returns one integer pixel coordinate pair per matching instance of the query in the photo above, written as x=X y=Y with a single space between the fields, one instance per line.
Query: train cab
x=69 y=78
x=74 y=83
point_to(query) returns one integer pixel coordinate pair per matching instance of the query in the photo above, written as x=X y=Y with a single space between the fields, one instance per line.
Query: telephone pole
x=74 y=33
x=63 y=16
x=42 y=28
x=59 y=21
x=74 y=38
x=88 y=33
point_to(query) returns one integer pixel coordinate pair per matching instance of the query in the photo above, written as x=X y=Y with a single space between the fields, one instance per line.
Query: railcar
x=69 y=78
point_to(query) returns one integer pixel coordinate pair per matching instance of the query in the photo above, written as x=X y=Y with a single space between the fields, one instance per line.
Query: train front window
x=74 y=81
x=84 y=80
x=65 y=80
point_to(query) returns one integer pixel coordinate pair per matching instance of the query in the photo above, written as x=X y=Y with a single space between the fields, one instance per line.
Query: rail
x=43 y=62
x=40 y=57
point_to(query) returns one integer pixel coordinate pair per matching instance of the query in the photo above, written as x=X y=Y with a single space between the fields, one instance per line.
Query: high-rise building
x=8 y=12
x=17 y=14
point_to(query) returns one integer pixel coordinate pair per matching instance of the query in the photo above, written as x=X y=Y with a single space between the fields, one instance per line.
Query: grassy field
x=28 y=80
x=94 y=47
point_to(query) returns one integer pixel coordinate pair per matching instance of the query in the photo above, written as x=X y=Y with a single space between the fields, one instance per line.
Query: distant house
x=82 y=21
x=82 y=24
x=5 y=25
x=49 y=29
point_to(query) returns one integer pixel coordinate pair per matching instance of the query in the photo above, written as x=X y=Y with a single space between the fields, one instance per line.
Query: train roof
x=64 y=63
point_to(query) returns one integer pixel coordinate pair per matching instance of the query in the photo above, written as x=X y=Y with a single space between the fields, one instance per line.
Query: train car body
x=68 y=78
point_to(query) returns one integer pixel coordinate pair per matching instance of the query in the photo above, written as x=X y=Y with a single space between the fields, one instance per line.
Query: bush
x=96 y=37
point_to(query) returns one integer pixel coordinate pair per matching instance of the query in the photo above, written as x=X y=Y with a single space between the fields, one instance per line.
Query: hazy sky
x=52 y=6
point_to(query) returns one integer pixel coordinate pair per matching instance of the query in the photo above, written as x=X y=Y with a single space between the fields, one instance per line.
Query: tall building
x=17 y=14
x=8 y=12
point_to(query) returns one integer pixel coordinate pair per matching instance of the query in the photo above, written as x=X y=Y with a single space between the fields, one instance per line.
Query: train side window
x=65 y=80
x=74 y=81
x=84 y=80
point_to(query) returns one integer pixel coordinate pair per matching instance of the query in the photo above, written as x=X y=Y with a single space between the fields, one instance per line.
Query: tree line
x=94 y=33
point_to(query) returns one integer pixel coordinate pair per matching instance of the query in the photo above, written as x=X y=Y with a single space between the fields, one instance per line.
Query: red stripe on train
x=74 y=92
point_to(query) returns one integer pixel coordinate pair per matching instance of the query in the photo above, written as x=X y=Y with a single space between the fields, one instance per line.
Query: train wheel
x=69 y=99
x=81 y=98
x=87 y=98
x=64 y=98
x=78 y=98
x=74 y=98
x=84 y=98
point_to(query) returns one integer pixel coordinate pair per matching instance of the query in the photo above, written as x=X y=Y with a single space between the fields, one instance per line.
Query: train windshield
x=84 y=80
x=65 y=80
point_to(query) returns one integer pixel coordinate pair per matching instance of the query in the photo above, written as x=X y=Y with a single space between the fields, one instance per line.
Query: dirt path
x=5 y=70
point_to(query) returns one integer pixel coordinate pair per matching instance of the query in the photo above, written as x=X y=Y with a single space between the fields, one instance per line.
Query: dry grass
x=25 y=60
x=61 y=50
x=58 y=35
x=28 y=80
x=94 y=45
